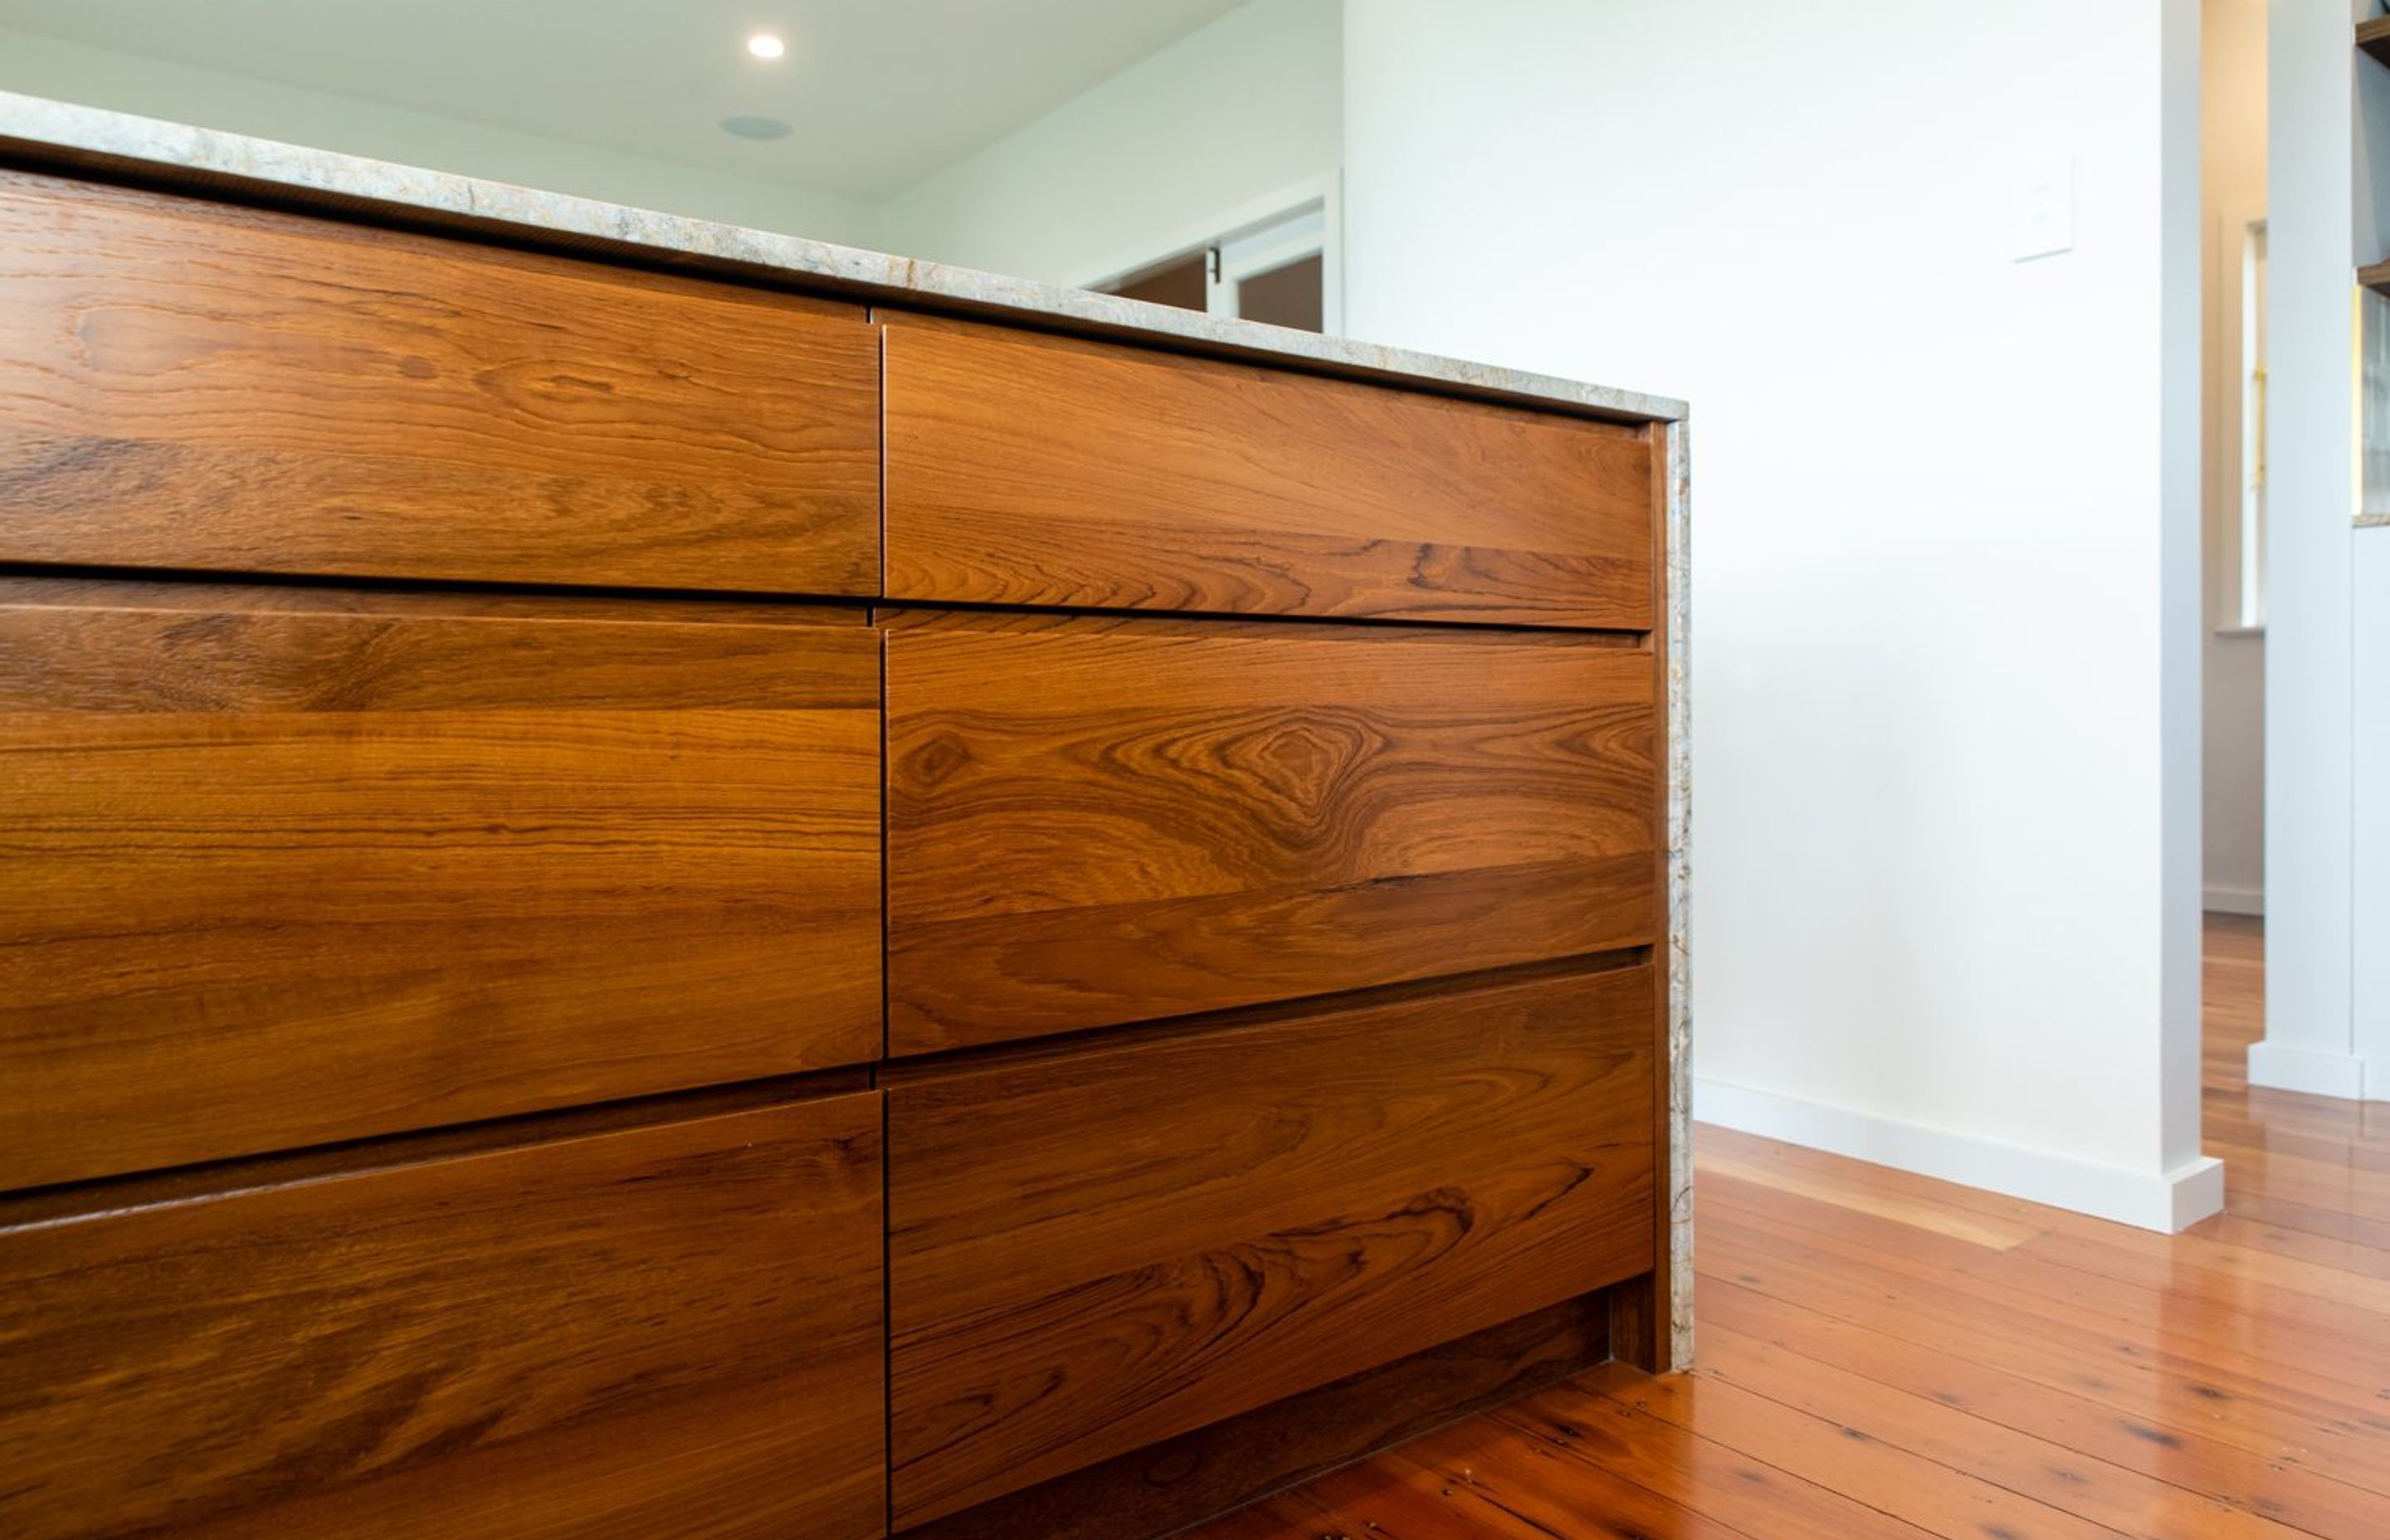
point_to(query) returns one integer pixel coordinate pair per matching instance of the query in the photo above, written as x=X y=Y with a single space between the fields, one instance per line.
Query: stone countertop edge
x=45 y=135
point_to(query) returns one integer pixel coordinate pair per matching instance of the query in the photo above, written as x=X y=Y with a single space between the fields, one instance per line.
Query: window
x=2242 y=586
x=2372 y=406
x=1274 y=274
x=1273 y=262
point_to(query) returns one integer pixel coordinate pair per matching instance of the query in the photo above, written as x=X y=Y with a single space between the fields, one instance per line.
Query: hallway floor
x=1884 y=1355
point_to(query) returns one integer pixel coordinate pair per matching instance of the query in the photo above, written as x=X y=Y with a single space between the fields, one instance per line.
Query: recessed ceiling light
x=756 y=128
x=765 y=45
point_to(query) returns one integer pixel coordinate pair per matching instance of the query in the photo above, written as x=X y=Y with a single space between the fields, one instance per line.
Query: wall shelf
x=2376 y=277
x=2374 y=37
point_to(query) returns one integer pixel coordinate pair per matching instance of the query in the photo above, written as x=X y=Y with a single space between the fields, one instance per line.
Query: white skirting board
x=2154 y=1201
x=2221 y=899
x=2279 y=1067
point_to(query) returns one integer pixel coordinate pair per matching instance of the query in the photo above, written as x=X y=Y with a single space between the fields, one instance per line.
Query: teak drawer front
x=1030 y=470
x=1092 y=1250
x=1103 y=820
x=191 y=385
x=671 y=1329
x=279 y=876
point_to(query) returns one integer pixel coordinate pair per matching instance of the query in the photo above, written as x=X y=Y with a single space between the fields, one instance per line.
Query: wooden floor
x=1880 y=1355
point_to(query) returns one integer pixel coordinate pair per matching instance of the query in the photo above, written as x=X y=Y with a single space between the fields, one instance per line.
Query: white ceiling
x=881 y=92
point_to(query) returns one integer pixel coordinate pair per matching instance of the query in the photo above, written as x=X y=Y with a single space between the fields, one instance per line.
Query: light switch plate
x=2041 y=206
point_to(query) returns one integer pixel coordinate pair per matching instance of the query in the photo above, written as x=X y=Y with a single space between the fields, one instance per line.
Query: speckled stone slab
x=62 y=136
x=1677 y=640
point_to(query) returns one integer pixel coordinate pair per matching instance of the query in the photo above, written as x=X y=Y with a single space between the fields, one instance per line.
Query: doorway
x=2234 y=485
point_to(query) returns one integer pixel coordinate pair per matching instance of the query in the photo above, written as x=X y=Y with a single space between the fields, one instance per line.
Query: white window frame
x=2240 y=550
x=1254 y=236
x=1299 y=233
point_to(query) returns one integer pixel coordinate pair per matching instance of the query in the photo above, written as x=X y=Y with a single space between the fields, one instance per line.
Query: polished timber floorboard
x=1880 y=1355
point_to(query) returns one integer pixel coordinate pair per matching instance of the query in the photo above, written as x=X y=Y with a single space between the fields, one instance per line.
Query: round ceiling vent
x=756 y=128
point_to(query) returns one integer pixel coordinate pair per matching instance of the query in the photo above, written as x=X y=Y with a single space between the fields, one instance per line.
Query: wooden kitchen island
x=670 y=881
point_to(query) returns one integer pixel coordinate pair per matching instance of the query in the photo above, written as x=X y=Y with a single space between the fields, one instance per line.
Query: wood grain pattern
x=1090 y=1253
x=280 y=876
x=193 y=385
x=1032 y=469
x=1095 y=821
x=1213 y=1470
x=667 y=1330
x=1479 y=1481
x=1882 y=1353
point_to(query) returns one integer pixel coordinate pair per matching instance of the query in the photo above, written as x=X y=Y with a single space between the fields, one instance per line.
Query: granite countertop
x=62 y=136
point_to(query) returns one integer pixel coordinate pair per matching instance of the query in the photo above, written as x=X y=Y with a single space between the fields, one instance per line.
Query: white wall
x=2369 y=697
x=1234 y=112
x=2312 y=243
x=2370 y=836
x=1947 y=607
x=70 y=71
x=1230 y=113
x=2232 y=174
